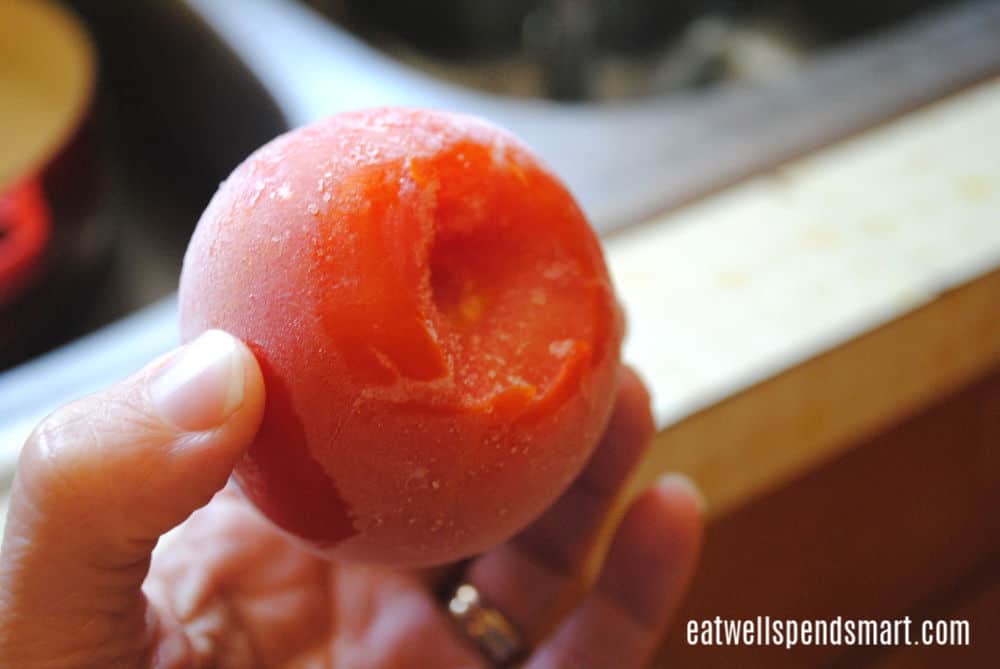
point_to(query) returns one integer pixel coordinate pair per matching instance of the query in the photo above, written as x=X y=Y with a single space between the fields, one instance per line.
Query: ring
x=496 y=637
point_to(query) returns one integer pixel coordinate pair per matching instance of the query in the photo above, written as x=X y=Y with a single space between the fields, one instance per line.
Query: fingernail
x=202 y=384
x=679 y=482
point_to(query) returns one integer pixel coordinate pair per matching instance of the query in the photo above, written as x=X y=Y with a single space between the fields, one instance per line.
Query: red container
x=49 y=177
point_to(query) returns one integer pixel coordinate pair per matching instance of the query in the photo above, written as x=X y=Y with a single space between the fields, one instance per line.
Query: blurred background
x=640 y=104
x=803 y=230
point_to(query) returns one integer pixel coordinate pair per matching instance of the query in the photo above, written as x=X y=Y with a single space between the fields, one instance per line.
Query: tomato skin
x=436 y=326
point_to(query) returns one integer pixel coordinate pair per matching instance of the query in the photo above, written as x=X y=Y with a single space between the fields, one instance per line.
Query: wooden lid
x=47 y=71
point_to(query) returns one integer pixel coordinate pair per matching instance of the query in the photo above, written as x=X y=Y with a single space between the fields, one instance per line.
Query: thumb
x=102 y=478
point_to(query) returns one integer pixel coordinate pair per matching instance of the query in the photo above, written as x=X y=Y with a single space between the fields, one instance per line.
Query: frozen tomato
x=435 y=323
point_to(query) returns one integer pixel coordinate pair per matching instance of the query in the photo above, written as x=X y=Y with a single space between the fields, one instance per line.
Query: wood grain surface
x=903 y=523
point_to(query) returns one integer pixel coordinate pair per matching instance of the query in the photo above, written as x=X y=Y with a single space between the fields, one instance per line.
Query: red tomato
x=436 y=326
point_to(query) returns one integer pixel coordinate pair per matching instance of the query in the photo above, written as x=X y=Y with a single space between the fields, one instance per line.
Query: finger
x=524 y=577
x=102 y=478
x=648 y=568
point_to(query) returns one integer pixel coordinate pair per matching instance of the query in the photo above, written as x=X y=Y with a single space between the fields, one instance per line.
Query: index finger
x=526 y=577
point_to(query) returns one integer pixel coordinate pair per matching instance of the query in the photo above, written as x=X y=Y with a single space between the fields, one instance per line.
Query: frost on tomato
x=435 y=323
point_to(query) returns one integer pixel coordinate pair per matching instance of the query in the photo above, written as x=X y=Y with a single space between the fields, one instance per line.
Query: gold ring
x=489 y=629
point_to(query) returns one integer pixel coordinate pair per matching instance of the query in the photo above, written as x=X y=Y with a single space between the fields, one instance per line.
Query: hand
x=103 y=478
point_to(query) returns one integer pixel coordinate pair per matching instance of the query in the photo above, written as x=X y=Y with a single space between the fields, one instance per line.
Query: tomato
x=436 y=326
